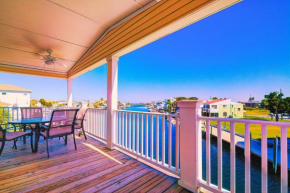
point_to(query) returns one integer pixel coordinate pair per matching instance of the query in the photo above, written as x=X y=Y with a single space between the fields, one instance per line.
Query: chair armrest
x=44 y=126
x=6 y=128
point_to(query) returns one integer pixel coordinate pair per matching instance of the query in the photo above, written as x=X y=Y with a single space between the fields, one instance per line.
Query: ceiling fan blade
x=61 y=62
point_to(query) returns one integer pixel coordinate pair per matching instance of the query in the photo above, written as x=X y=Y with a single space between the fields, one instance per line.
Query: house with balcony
x=223 y=108
x=14 y=95
x=125 y=151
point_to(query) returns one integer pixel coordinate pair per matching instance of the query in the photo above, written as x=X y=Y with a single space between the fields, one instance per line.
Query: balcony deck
x=89 y=169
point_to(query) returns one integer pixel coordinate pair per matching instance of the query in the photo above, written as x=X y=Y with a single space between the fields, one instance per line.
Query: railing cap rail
x=150 y=113
x=246 y=121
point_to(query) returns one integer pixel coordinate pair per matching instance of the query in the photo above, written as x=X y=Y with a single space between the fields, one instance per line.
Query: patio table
x=36 y=130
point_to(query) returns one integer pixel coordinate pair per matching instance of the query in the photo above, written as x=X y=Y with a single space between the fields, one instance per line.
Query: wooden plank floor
x=91 y=168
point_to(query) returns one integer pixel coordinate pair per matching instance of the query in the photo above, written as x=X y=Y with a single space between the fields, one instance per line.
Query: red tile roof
x=214 y=101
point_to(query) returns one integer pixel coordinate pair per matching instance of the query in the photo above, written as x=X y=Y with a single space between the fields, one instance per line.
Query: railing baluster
x=220 y=155
x=169 y=141
x=129 y=128
x=126 y=131
x=157 y=138
x=151 y=137
x=248 y=158
x=134 y=133
x=208 y=164
x=176 y=143
x=123 y=129
x=137 y=133
x=146 y=135
x=233 y=158
x=163 y=139
x=142 y=135
x=284 y=163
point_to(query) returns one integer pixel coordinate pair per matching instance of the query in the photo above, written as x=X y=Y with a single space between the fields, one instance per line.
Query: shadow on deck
x=91 y=168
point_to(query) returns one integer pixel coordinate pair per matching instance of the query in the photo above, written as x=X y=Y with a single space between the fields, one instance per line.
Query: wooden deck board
x=86 y=169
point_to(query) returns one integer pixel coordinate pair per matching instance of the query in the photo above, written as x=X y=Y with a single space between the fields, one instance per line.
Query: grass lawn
x=272 y=131
x=254 y=112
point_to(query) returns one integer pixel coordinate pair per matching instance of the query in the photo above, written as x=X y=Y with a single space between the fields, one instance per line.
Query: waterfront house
x=224 y=108
x=252 y=104
x=14 y=95
x=65 y=39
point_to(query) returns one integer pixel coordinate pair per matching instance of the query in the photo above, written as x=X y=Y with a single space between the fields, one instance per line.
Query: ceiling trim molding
x=30 y=71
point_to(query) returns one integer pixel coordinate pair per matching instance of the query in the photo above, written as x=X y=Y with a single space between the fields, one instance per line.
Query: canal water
x=273 y=179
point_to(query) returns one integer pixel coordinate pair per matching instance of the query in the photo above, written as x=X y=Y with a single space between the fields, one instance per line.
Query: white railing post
x=69 y=92
x=190 y=144
x=112 y=98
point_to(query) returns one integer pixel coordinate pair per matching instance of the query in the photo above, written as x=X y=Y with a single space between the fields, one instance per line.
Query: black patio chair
x=7 y=135
x=61 y=125
x=80 y=121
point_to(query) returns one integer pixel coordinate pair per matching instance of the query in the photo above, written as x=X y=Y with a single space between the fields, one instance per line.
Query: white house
x=14 y=95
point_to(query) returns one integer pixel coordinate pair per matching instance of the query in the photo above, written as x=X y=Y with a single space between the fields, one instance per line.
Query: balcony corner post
x=112 y=98
x=69 y=92
x=190 y=144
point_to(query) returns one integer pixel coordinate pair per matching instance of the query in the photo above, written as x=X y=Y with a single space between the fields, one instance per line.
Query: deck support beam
x=190 y=144
x=69 y=92
x=112 y=98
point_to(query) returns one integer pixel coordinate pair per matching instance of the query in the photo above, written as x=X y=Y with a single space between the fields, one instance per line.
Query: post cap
x=189 y=103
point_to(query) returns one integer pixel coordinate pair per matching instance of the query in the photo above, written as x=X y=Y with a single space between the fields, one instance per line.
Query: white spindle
x=176 y=143
x=123 y=130
x=233 y=158
x=151 y=138
x=208 y=132
x=146 y=135
x=284 y=164
x=157 y=138
x=137 y=134
x=119 y=128
x=134 y=133
x=264 y=160
x=130 y=144
x=247 y=159
x=220 y=155
x=126 y=131
x=142 y=134
x=169 y=141
x=163 y=139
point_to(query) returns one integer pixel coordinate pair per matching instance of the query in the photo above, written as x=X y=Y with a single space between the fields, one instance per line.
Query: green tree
x=48 y=104
x=214 y=98
x=264 y=103
x=274 y=102
x=33 y=102
x=192 y=98
x=42 y=102
x=97 y=104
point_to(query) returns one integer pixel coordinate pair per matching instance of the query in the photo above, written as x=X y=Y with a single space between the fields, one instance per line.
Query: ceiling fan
x=51 y=60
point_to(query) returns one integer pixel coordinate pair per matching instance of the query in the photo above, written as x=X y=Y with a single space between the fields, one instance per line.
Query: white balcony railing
x=14 y=113
x=96 y=123
x=150 y=137
x=247 y=145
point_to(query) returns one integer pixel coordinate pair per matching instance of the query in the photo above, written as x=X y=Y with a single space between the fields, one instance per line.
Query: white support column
x=112 y=98
x=69 y=93
x=190 y=144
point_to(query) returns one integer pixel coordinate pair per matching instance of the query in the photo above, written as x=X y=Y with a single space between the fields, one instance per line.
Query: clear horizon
x=241 y=51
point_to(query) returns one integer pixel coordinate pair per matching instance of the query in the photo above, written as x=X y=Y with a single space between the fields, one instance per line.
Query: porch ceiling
x=85 y=32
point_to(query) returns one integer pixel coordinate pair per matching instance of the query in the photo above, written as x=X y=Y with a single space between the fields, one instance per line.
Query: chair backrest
x=1 y=133
x=81 y=116
x=62 y=122
x=31 y=112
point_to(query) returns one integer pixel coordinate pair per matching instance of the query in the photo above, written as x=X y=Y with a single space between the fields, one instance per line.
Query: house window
x=214 y=106
x=239 y=109
x=3 y=93
x=224 y=106
x=25 y=94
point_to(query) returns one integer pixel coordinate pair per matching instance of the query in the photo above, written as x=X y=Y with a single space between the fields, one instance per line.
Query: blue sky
x=241 y=51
